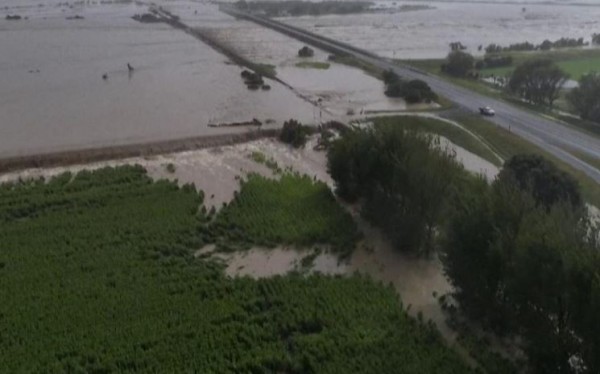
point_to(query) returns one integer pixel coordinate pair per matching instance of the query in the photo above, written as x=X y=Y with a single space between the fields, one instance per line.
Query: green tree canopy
x=538 y=81
x=547 y=184
x=458 y=63
x=586 y=98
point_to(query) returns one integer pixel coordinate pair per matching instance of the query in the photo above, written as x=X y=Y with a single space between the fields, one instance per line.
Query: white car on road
x=487 y=111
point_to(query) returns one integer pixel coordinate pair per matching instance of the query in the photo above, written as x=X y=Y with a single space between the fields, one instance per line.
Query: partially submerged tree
x=538 y=81
x=586 y=97
x=402 y=178
x=306 y=52
x=294 y=133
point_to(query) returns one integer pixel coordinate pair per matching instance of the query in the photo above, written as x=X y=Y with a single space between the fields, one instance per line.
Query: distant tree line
x=544 y=46
x=413 y=91
x=302 y=8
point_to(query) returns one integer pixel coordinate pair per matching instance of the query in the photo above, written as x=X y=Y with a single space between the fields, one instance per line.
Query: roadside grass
x=507 y=144
x=354 y=62
x=432 y=67
x=455 y=134
x=313 y=65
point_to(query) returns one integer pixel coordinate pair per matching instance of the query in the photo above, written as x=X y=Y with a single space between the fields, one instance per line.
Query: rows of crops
x=96 y=276
x=293 y=210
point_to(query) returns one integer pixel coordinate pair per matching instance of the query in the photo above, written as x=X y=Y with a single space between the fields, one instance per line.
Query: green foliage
x=538 y=81
x=458 y=64
x=313 y=65
x=521 y=267
x=401 y=177
x=413 y=91
x=96 y=276
x=586 y=98
x=547 y=184
x=294 y=133
x=293 y=210
x=306 y=52
x=302 y=8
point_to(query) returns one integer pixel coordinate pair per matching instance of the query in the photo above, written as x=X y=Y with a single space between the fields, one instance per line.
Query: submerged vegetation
x=97 y=275
x=313 y=65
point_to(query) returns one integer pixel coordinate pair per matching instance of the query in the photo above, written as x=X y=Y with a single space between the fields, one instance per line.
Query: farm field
x=97 y=275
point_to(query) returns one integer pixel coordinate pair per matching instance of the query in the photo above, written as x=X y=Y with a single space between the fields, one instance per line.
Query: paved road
x=552 y=136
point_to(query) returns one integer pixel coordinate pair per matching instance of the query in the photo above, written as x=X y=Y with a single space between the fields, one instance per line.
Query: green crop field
x=293 y=210
x=97 y=276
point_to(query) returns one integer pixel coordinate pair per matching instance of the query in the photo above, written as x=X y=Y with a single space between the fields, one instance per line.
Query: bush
x=294 y=133
x=306 y=52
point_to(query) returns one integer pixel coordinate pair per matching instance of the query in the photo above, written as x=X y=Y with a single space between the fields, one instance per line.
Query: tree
x=413 y=91
x=596 y=39
x=306 y=52
x=458 y=63
x=548 y=185
x=538 y=81
x=525 y=267
x=402 y=179
x=586 y=98
x=294 y=133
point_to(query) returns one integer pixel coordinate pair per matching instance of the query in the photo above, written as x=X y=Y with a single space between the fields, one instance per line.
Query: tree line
x=521 y=252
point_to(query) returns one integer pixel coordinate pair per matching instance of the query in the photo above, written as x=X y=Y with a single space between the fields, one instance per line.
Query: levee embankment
x=84 y=156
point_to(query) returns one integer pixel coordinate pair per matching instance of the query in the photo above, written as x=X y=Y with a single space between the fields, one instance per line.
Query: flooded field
x=53 y=95
x=426 y=33
x=342 y=90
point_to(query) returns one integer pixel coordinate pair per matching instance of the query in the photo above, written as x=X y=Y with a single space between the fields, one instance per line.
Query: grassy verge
x=433 y=67
x=354 y=62
x=313 y=65
x=507 y=144
x=455 y=134
x=97 y=277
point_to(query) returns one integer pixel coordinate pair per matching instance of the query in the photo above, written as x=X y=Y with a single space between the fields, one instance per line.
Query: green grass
x=313 y=65
x=354 y=62
x=455 y=134
x=576 y=62
x=294 y=210
x=97 y=276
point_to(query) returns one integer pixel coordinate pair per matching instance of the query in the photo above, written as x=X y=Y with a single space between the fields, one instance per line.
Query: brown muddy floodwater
x=53 y=97
x=427 y=33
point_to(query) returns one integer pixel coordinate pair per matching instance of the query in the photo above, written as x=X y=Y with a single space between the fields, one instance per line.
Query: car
x=487 y=111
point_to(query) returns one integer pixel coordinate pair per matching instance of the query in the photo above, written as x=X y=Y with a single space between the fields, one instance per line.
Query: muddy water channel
x=53 y=95
x=426 y=33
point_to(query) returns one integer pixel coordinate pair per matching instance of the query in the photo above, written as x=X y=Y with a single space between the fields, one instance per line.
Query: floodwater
x=53 y=96
x=341 y=90
x=427 y=33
